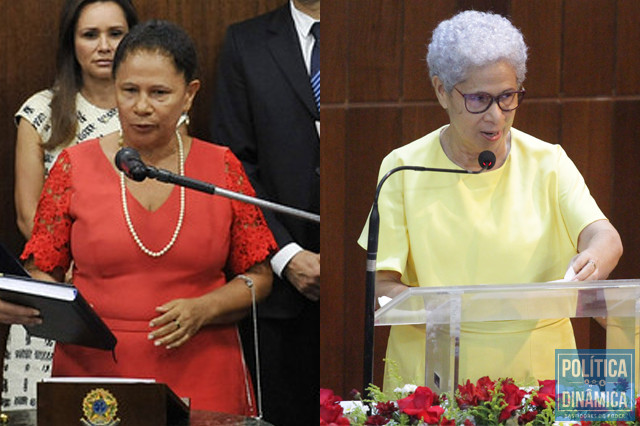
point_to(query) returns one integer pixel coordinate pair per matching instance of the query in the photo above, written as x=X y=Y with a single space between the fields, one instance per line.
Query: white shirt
x=303 y=23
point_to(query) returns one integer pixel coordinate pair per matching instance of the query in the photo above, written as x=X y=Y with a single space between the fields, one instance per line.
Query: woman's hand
x=389 y=284
x=585 y=267
x=17 y=314
x=180 y=320
x=599 y=249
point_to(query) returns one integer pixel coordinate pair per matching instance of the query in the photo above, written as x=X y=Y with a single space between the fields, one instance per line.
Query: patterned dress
x=28 y=359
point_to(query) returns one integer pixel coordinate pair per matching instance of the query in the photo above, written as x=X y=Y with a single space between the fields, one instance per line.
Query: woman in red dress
x=153 y=258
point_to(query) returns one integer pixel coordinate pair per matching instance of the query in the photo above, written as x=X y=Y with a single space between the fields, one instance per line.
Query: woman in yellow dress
x=528 y=219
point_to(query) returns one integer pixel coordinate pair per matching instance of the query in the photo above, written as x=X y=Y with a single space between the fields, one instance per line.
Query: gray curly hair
x=472 y=39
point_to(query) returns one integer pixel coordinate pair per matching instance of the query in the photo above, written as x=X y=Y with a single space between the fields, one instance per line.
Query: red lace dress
x=80 y=217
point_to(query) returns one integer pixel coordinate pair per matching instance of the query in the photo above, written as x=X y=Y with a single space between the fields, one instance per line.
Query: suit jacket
x=265 y=112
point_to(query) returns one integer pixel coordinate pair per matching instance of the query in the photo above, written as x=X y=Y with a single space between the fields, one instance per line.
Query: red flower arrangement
x=472 y=395
x=484 y=402
x=420 y=405
x=331 y=410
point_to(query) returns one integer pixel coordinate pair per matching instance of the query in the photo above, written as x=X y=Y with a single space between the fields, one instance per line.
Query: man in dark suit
x=266 y=112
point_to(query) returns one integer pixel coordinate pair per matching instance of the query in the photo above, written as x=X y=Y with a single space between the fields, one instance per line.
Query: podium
x=442 y=310
x=113 y=402
x=197 y=418
x=108 y=403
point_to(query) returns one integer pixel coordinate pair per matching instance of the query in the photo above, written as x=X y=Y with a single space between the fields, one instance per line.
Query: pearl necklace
x=125 y=208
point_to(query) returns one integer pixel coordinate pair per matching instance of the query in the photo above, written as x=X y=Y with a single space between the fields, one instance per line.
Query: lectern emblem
x=99 y=408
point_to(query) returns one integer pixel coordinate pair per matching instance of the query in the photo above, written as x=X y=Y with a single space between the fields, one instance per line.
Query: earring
x=184 y=119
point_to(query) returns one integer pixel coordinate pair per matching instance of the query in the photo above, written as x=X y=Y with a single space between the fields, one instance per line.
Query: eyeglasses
x=477 y=103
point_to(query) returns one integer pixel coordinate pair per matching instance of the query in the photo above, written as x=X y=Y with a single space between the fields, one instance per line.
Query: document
x=66 y=315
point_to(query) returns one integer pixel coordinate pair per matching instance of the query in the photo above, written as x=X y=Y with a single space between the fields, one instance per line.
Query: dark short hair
x=163 y=37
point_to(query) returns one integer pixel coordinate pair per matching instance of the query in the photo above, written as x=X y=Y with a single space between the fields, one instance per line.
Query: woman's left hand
x=180 y=320
x=599 y=248
x=585 y=267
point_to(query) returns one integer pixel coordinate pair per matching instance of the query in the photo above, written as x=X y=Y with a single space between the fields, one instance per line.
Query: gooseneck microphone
x=486 y=160
x=129 y=162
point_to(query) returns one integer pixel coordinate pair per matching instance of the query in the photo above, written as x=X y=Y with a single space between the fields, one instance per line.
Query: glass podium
x=443 y=309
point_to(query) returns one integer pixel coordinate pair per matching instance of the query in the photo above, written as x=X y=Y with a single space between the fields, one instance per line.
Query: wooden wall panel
x=496 y=6
x=25 y=68
x=380 y=353
x=626 y=182
x=586 y=137
x=371 y=133
x=541 y=23
x=420 y=19
x=539 y=118
x=418 y=120
x=333 y=195
x=375 y=50
x=335 y=61
x=627 y=52
x=589 y=47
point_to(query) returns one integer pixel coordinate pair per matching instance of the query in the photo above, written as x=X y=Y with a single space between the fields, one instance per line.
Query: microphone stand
x=187 y=182
x=128 y=161
x=372 y=255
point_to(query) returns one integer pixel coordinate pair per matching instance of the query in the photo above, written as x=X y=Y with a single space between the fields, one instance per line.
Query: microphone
x=128 y=161
x=486 y=160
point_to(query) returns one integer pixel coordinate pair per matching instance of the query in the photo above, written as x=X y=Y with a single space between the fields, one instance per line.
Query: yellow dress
x=517 y=224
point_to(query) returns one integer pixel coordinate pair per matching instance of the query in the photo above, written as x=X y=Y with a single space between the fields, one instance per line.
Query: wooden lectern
x=104 y=403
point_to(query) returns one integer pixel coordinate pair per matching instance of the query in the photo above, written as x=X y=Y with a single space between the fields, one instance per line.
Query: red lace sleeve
x=251 y=239
x=49 y=244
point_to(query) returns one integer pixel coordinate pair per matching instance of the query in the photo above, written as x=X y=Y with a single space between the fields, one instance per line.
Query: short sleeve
x=578 y=207
x=37 y=111
x=251 y=240
x=393 y=239
x=49 y=244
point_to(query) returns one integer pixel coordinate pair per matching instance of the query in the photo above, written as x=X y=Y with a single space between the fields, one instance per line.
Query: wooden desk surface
x=198 y=418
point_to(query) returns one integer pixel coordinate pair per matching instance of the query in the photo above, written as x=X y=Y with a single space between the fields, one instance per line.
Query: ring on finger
x=177 y=323
x=593 y=263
